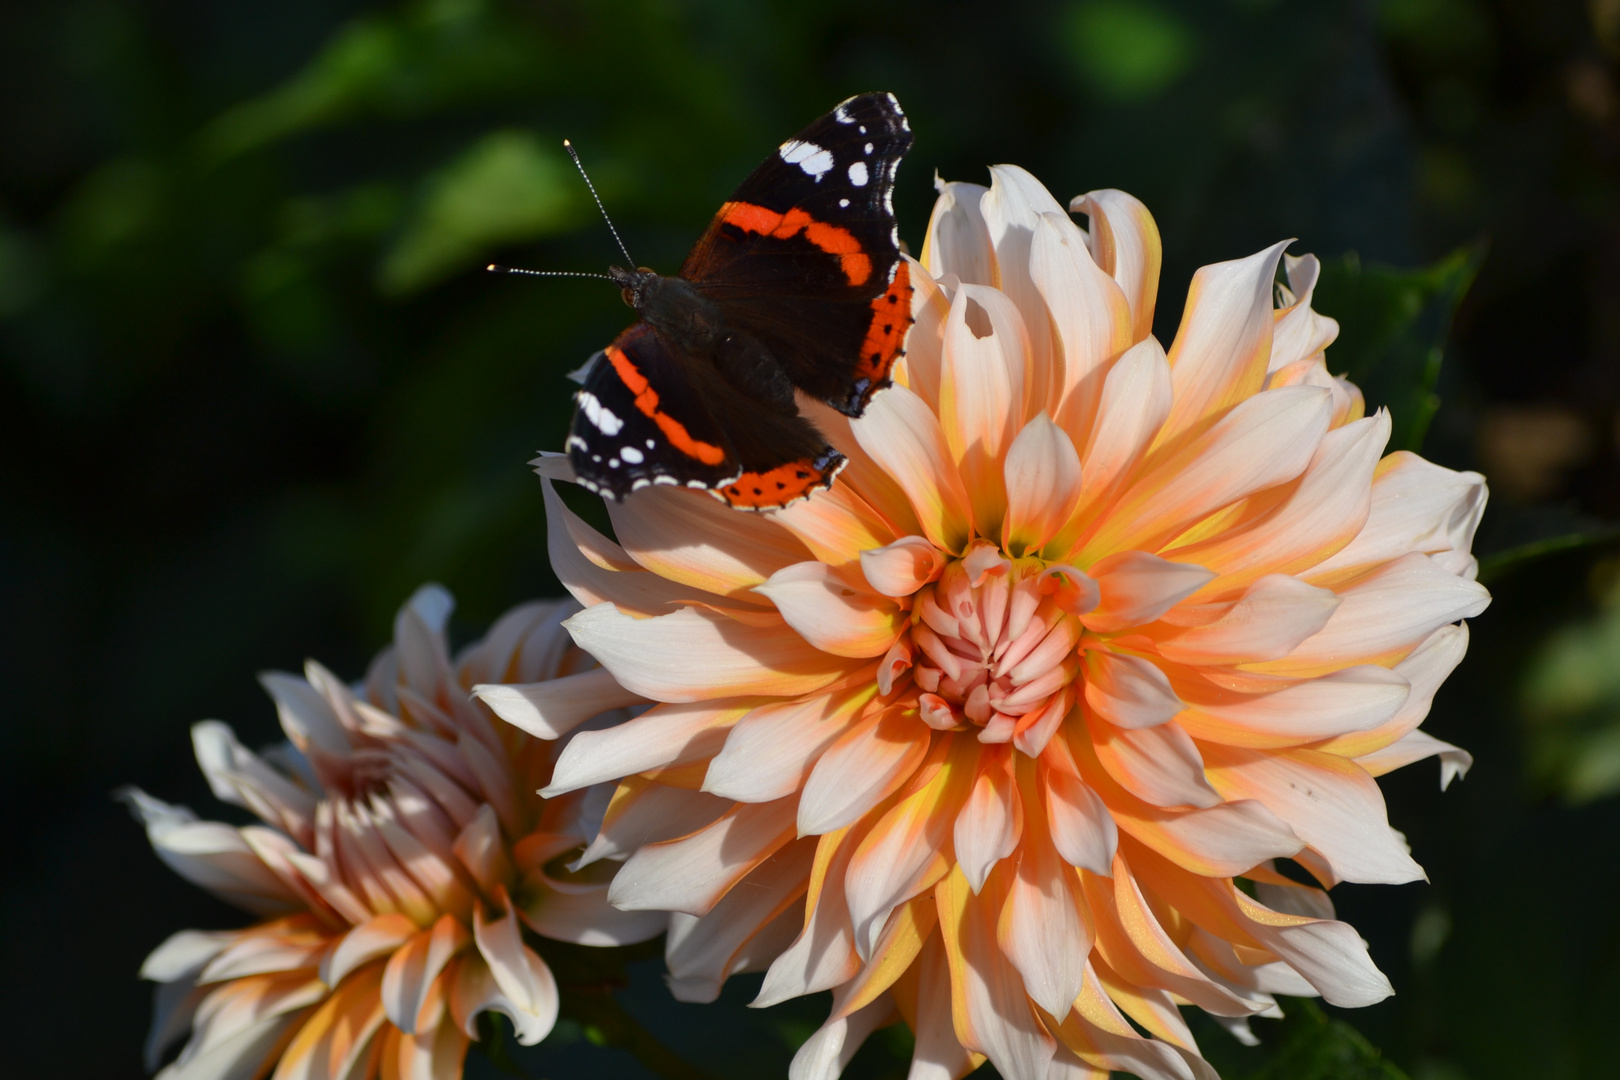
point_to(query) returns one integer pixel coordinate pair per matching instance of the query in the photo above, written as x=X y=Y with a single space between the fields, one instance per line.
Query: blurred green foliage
x=256 y=388
x=1572 y=700
x=1393 y=326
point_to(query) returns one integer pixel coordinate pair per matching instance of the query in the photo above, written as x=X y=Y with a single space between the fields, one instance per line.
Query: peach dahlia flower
x=985 y=737
x=401 y=855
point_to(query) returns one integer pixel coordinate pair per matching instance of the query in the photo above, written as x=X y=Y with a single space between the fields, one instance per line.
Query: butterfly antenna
x=580 y=166
x=494 y=269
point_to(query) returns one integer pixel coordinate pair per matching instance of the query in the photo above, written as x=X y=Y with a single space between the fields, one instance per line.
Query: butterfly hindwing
x=639 y=420
x=805 y=255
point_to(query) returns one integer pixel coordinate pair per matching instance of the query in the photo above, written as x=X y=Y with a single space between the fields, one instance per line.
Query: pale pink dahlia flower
x=982 y=737
x=402 y=852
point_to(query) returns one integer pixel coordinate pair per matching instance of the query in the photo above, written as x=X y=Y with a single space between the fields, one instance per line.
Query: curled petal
x=1125 y=244
x=983 y=387
x=902 y=567
x=1159 y=764
x=1219 y=356
x=958 y=241
x=521 y=977
x=770 y=752
x=664 y=736
x=1415 y=746
x=1353 y=699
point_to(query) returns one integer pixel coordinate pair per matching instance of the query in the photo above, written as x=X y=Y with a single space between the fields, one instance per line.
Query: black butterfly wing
x=638 y=420
x=805 y=256
x=646 y=415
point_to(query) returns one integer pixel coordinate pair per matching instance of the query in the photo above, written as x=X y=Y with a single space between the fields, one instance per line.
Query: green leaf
x=504 y=189
x=1312 y=1046
x=1493 y=566
x=1393 y=326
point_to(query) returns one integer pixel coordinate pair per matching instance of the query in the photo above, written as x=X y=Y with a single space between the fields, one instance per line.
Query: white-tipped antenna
x=580 y=166
x=496 y=269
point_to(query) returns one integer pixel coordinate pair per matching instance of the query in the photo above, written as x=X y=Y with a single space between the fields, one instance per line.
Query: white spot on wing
x=631 y=454
x=857 y=174
x=696 y=484
x=667 y=481
x=601 y=417
x=843 y=202
x=808 y=156
x=868 y=148
x=841 y=114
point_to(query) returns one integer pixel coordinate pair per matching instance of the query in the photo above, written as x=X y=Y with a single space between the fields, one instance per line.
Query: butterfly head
x=636 y=286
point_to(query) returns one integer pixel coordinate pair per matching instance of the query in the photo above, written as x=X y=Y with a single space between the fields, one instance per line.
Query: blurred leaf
x=1571 y=698
x=416 y=61
x=1493 y=566
x=1393 y=326
x=1314 y=1047
x=1128 y=50
x=502 y=190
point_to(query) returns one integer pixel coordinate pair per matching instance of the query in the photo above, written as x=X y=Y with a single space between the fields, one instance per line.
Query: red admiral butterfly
x=798 y=284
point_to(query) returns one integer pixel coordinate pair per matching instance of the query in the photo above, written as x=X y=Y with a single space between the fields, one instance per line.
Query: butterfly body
x=797 y=287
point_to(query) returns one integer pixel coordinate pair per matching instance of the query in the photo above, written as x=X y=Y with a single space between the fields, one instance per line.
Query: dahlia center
x=993 y=645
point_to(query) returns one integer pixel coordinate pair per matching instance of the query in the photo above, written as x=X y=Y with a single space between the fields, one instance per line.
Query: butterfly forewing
x=805 y=255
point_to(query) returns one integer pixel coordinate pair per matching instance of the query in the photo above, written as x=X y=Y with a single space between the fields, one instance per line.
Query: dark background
x=254 y=389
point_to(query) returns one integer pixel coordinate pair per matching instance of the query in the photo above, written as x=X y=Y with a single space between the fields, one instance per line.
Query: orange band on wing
x=891 y=317
x=647 y=402
x=833 y=239
x=781 y=486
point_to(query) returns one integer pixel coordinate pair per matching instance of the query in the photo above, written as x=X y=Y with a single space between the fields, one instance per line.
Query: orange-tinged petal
x=1125 y=244
x=904 y=437
x=832 y=614
x=1219 y=356
x=984 y=383
x=1042 y=473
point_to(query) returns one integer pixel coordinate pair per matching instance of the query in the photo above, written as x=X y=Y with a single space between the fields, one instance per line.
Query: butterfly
x=798 y=285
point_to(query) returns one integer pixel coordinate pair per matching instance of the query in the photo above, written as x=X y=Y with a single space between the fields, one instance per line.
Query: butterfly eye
x=629 y=297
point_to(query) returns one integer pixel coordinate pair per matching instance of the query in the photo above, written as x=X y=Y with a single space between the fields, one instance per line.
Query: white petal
x=1415 y=746
x=1268 y=621
x=695 y=540
x=830 y=613
x=643 y=812
x=744 y=929
x=1136 y=398
x=1125 y=243
x=991 y=821
x=521 y=976
x=770 y=752
x=1128 y=691
x=1324 y=513
x=824 y=1055
x=665 y=735
x=1330 y=803
x=958 y=241
x=1416 y=506
x=1158 y=764
x=1012 y=209
x=1089 y=312
x=211 y=855
x=477 y=989
x=1137 y=587
x=1083 y=830
x=551 y=709
x=1386 y=613
x=866 y=763
x=1353 y=699
x=1300 y=332
x=698 y=655
x=1041 y=930
x=692 y=873
x=1219 y=356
